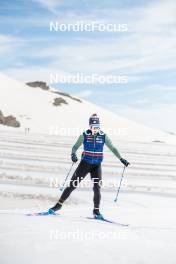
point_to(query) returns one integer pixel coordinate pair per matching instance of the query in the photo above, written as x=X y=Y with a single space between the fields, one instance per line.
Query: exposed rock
x=158 y=141
x=8 y=120
x=38 y=84
x=44 y=86
x=68 y=95
x=2 y=118
x=59 y=101
x=11 y=121
x=170 y=133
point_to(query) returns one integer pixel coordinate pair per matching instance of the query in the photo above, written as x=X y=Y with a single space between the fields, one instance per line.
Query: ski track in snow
x=34 y=159
x=146 y=202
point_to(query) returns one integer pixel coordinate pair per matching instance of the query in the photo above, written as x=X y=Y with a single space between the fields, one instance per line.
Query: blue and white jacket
x=93 y=147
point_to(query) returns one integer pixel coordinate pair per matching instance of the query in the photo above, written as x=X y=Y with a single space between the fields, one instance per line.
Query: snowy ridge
x=146 y=202
x=34 y=109
x=35 y=161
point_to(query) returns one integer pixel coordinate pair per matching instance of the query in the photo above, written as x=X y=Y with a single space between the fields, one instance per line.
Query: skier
x=93 y=140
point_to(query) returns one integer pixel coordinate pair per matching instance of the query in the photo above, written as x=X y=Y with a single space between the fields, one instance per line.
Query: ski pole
x=61 y=188
x=115 y=200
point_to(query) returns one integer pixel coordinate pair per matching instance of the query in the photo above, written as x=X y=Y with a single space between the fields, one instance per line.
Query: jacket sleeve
x=78 y=144
x=110 y=145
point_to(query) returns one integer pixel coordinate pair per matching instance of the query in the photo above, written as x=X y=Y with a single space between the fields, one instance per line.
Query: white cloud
x=149 y=46
x=146 y=54
x=138 y=51
x=51 y=5
x=149 y=89
x=158 y=16
x=7 y=43
x=160 y=117
x=84 y=94
x=32 y=73
x=6 y=38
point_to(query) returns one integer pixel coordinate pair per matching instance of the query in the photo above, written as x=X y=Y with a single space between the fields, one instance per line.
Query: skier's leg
x=82 y=170
x=96 y=176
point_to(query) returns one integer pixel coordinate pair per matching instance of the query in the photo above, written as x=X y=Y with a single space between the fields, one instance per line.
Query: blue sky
x=146 y=53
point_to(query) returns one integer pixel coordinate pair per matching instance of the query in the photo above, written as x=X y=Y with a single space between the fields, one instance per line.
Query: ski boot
x=55 y=208
x=97 y=215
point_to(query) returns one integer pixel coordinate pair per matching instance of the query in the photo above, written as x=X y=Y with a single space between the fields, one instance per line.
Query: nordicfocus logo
x=57 y=130
x=81 y=78
x=93 y=26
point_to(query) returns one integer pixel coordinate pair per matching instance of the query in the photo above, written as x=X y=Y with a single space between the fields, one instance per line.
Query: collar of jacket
x=88 y=132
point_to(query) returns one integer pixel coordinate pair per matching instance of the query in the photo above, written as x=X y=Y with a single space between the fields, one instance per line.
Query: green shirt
x=108 y=143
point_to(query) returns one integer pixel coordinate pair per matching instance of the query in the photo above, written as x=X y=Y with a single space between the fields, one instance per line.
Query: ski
x=42 y=214
x=108 y=221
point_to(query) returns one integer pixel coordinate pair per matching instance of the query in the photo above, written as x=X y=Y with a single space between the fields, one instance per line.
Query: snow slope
x=147 y=202
x=71 y=238
x=33 y=108
x=29 y=163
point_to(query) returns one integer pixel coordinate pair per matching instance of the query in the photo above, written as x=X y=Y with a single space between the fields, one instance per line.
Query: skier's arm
x=77 y=144
x=110 y=145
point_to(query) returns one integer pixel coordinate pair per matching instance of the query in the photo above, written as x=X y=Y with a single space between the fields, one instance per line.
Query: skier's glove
x=125 y=162
x=74 y=157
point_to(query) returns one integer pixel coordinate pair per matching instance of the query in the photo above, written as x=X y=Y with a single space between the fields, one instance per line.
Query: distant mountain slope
x=53 y=111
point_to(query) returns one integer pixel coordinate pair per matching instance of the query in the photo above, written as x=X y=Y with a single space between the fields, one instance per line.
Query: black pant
x=82 y=170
